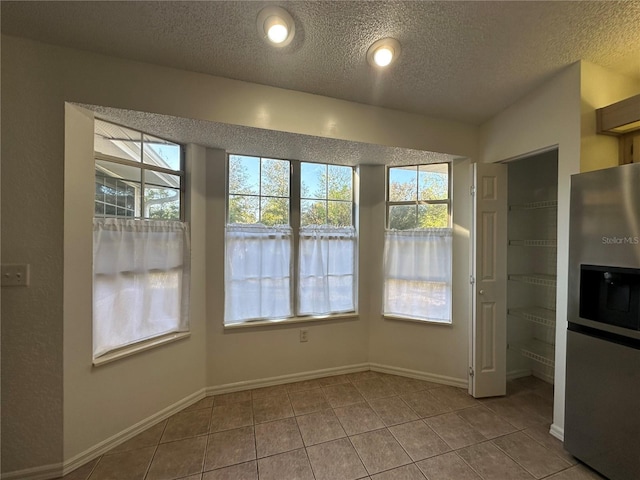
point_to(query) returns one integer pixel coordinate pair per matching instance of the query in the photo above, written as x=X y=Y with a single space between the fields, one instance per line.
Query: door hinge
x=471 y=372
x=472 y=190
x=472 y=279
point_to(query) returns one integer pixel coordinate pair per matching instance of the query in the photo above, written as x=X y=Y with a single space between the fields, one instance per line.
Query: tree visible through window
x=258 y=190
x=418 y=197
x=326 y=195
x=260 y=260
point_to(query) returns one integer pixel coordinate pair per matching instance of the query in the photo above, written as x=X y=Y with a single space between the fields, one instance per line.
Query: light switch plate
x=15 y=275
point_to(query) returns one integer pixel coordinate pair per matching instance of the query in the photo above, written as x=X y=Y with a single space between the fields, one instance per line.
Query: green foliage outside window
x=418 y=197
x=259 y=190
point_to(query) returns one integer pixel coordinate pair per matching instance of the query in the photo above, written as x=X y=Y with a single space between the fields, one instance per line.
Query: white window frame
x=294 y=221
x=444 y=231
x=144 y=167
x=164 y=338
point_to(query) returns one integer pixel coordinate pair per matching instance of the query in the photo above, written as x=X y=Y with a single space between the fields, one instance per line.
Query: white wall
x=45 y=322
x=549 y=116
x=439 y=352
x=600 y=87
x=112 y=397
x=255 y=353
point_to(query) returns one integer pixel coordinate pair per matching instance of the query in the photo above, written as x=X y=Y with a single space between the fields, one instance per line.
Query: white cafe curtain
x=257 y=272
x=326 y=270
x=417 y=270
x=141 y=271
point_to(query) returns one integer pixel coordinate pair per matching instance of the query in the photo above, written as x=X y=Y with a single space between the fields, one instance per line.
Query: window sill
x=288 y=321
x=417 y=320
x=139 y=347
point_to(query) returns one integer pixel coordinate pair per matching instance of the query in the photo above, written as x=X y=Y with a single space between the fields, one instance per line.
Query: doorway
x=532 y=266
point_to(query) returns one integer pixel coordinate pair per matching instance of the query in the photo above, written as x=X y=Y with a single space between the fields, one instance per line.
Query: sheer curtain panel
x=326 y=270
x=417 y=269
x=257 y=273
x=140 y=281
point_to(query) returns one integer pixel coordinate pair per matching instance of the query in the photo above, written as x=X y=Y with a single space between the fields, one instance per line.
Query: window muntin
x=418 y=243
x=320 y=254
x=137 y=175
x=418 y=196
x=258 y=190
x=326 y=196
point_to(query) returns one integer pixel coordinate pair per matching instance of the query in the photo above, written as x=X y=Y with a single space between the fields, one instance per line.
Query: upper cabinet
x=622 y=119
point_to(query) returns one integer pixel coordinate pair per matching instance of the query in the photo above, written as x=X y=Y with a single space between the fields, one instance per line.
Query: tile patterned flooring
x=365 y=425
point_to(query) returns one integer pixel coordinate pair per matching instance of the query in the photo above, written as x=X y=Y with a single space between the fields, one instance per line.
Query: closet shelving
x=539 y=315
x=532 y=256
x=553 y=243
x=539 y=279
x=539 y=351
x=535 y=205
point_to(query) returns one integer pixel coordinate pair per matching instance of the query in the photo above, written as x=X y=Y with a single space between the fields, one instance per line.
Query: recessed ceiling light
x=276 y=26
x=383 y=52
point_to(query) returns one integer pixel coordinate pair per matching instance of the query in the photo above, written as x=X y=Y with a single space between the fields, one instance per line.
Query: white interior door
x=488 y=342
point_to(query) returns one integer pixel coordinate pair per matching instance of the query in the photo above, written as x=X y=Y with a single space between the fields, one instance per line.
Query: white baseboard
x=279 y=380
x=557 y=432
x=429 y=377
x=45 y=472
x=128 y=433
x=49 y=472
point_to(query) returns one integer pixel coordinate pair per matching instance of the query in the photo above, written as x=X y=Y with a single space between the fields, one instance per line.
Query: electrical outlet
x=304 y=335
x=15 y=275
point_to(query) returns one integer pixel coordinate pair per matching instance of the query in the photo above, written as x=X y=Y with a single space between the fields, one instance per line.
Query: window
x=275 y=240
x=418 y=243
x=140 y=245
x=137 y=175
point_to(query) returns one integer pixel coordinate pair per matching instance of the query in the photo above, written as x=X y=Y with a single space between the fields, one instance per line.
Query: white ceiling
x=462 y=61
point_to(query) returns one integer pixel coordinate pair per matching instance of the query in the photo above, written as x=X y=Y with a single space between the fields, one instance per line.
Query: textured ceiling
x=266 y=143
x=462 y=61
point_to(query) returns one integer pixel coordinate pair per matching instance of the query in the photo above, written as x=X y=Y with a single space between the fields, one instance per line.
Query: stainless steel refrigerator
x=602 y=409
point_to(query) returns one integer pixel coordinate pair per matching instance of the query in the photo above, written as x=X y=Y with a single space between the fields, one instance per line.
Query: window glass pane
x=117 y=141
x=116 y=197
x=433 y=216
x=403 y=184
x=340 y=214
x=100 y=190
x=434 y=182
x=244 y=209
x=116 y=170
x=275 y=178
x=402 y=217
x=340 y=181
x=162 y=203
x=313 y=180
x=161 y=153
x=313 y=212
x=274 y=211
x=244 y=175
x=161 y=179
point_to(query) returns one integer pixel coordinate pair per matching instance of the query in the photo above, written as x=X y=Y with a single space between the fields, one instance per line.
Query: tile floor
x=364 y=425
